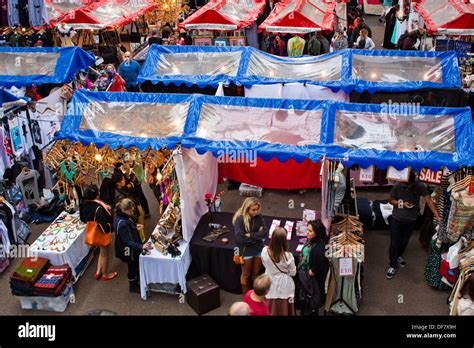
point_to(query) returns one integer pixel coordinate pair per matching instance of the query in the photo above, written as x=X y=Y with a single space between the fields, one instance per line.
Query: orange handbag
x=95 y=236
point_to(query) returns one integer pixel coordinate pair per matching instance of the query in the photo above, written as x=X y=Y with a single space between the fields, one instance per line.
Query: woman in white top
x=364 y=42
x=280 y=266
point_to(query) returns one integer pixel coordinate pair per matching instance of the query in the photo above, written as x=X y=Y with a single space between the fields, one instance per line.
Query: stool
x=203 y=294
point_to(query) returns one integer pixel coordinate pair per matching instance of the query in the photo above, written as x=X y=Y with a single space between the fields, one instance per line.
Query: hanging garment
x=23 y=13
x=13 y=13
x=3 y=13
x=36 y=12
x=461 y=219
x=433 y=278
x=296 y=46
x=390 y=20
x=339 y=192
x=252 y=36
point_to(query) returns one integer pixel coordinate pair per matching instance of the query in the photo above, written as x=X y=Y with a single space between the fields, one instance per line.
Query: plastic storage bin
x=250 y=190
x=45 y=303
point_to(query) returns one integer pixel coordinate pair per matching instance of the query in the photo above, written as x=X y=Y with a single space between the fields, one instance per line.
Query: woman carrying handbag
x=98 y=219
x=280 y=266
x=312 y=270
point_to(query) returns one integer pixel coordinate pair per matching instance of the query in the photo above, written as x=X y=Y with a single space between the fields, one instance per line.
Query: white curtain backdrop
x=197 y=175
x=295 y=91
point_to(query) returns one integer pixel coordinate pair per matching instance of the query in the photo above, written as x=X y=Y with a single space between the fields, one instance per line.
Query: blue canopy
x=372 y=70
x=361 y=134
x=22 y=66
x=8 y=100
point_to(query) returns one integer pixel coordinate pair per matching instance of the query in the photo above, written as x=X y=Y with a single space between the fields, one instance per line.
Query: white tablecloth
x=157 y=268
x=75 y=248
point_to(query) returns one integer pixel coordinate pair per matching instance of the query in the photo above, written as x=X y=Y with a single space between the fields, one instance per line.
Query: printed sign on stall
x=367 y=174
x=430 y=176
x=345 y=267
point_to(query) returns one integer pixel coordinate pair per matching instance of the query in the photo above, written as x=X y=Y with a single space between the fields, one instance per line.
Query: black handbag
x=124 y=36
x=310 y=298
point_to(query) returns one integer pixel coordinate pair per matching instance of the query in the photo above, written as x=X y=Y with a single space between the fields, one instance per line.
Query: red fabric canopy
x=274 y=174
x=57 y=9
x=107 y=14
x=300 y=16
x=450 y=16
x=225 y=15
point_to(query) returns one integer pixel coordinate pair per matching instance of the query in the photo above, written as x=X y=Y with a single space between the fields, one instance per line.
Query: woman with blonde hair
x=250 y=233
x=280 y=266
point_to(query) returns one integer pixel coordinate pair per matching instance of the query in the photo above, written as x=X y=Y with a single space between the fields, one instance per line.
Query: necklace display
x=68 y=173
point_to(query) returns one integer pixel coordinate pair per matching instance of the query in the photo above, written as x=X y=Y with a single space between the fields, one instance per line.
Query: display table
x=63 y=242
x=158 y=269
x=216 y=259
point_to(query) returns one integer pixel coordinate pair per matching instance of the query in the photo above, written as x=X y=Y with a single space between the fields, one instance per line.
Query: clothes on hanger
x=37 y=13
x=13 y=13
x=466 y=266
x=296 y=46
x=346 y=244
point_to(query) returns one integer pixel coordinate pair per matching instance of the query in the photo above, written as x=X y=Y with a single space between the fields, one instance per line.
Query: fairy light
x=373 y=76
x=271 y=73
x=98 y=157
x=159 y=176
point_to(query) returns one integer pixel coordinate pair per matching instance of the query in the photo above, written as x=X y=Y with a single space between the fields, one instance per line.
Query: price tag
x=345 y=267
x=299 y=248
x=367 y=174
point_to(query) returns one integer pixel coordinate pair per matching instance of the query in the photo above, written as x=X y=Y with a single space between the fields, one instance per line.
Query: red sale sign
x=431 y=177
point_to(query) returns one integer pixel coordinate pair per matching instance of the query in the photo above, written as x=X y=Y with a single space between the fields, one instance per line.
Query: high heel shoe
x=98 y=276
x=114 y=274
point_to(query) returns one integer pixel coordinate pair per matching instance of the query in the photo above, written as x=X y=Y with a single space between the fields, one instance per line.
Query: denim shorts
x=251 y=257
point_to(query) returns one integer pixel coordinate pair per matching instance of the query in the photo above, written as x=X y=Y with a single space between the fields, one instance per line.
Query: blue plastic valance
x=8 y=100
x=372 y=70
x=363 y=134
x=23 y=66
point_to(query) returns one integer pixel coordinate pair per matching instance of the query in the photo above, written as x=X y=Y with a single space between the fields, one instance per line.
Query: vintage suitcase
x=203 y=294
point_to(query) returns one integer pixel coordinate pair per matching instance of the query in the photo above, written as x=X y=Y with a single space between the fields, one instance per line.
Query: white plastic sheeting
x=244 y=123
x=28 y=63
x=199 y=63
x=364 y=130
x=265 y=65
x=295 y=91
x=146 y=120
x=396 y=69
x=197 y=175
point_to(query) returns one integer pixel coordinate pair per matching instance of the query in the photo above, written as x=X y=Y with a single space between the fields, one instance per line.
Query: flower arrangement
x=211 y=200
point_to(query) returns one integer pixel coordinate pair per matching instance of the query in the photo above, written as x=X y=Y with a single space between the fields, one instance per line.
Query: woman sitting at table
x=280 y=265
x=250 y=233
x=93 y=209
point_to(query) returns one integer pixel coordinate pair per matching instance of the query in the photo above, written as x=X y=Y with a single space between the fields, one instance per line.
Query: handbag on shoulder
x=95 y=236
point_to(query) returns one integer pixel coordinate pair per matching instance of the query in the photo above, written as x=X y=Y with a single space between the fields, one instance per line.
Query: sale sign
x=430 y=177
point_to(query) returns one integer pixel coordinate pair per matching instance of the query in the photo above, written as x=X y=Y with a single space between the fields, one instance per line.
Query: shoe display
x=391 y=272
x=401 y=262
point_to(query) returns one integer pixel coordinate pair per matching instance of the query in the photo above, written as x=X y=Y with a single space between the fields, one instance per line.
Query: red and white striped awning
x=300 y=17
x=225 y=15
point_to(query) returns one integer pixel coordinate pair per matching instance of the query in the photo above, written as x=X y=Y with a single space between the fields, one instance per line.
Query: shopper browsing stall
x=92 y=210
x=313 y=269
x=129 y=70
x=405 y=198
x=250 y=233
x=256 y=298
x=280 y=265
x=127 y=243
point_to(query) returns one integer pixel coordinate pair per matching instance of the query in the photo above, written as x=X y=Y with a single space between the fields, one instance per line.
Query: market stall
x=452 y=17
x=229 y=18
x=347 y=70
x=101 y=121
x=300 y=17
x=63 y=242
